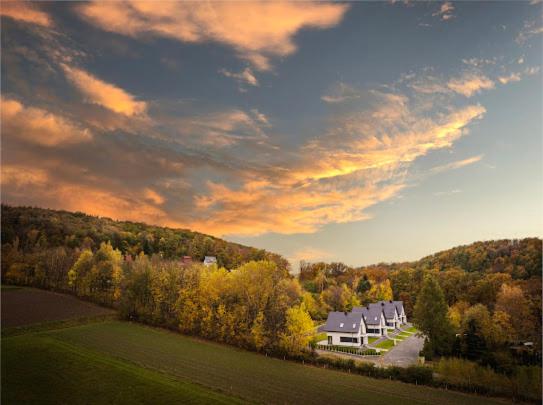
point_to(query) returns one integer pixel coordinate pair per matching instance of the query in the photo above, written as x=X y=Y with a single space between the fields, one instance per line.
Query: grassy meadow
x=120 y=362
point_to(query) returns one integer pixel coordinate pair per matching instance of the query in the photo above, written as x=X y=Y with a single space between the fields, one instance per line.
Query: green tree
x=431 y=318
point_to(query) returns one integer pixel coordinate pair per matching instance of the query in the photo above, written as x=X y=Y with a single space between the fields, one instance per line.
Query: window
x=344 y=339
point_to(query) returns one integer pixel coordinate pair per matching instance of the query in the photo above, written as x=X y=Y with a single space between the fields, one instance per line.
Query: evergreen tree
x=431 y=318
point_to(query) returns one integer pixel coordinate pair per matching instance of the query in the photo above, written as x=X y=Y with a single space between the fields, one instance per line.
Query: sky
x=357 y=132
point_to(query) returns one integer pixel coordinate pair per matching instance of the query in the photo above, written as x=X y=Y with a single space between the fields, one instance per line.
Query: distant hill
x=45 y=228
x=519 y=257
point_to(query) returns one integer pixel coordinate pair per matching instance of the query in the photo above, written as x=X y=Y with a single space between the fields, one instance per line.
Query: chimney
x=382 y=304
x=345 y=313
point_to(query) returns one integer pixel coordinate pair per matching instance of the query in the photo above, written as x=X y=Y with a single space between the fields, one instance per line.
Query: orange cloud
x=470 y=84
x=457 y=165
x=256 y=30
x=104 y=94
x=25 y=11
x=26 y=185
x=340 y=175
x=39 y=126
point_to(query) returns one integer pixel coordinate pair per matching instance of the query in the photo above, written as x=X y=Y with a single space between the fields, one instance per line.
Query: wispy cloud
x=339 y=93
x=531 y=28
x=26 y=11
x=470 y=84
x=445 y=11
x=256 y=30
x=513 y=77
x=447 y=193
x=246 y=76
x=105 y=94
x=39 y=126
x=457 y=164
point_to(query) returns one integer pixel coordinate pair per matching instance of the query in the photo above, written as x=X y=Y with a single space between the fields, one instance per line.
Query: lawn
x=109 y=361
x=412 y=329
x=385 y=344
x=372 y=339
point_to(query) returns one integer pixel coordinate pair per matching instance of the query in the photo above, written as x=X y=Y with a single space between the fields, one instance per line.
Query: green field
x=372 y=339
x=38 y=369
x=120 y=362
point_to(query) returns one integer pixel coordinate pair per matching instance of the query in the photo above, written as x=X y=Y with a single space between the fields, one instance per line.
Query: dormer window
x=341 y=325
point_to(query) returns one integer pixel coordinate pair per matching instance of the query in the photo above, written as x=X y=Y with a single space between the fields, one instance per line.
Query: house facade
x=374 y=319
x=391 y=314
x=353 y=328
x=209 y=260
x=401 y=312
x=346 y=329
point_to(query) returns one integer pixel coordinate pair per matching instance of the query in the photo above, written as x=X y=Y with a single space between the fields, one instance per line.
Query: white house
x=392 y=317
x=401 y=312
x=374 y=319
x=346 y=329
x=209 y=260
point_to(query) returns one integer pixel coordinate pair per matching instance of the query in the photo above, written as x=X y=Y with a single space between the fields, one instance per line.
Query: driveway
x=406 y=353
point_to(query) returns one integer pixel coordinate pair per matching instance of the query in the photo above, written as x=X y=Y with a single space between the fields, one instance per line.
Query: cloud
x=445 y=11
x=531 y=28
x=26 y=185
x=104 y=94
x=360 y=161
x=246 y=76
x=457 y=164
x=25 y=11
x=470 y=84
x=223 y=128
x=513 y=77
x=256 y=30
x=447 y=193
x=340 y=93
x=39 y=126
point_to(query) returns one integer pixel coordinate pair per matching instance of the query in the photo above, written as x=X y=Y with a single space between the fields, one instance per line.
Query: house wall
x=336 y=341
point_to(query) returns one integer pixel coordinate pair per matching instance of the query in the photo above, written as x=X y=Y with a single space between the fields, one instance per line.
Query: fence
x=349 y=350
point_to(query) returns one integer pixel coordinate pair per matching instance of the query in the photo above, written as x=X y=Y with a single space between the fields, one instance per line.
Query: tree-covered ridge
x=44 y=228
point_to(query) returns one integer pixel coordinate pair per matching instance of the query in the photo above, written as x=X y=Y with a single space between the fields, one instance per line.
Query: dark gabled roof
x=348 y=322
x=371 y=313
x=388 y=308
x=399 y=306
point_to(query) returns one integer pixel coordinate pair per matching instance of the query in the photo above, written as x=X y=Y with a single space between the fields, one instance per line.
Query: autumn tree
x=298 y=331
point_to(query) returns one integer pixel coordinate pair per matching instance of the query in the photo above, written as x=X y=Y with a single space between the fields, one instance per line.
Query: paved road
x=405 y=353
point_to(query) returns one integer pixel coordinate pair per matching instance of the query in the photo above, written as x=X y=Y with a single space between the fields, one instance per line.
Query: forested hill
x=521 y=258
x=45 y=228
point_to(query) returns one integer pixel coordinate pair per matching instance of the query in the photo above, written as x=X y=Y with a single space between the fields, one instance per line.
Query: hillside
x=45 y=228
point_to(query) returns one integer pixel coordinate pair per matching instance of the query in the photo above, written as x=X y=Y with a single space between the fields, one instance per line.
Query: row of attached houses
x=353 y=328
